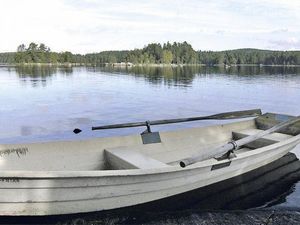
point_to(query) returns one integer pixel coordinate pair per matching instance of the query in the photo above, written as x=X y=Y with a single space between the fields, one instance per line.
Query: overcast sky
x=83 y=26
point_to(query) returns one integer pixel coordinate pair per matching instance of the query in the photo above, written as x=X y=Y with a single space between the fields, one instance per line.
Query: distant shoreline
x=116 y=65
x=153 y=54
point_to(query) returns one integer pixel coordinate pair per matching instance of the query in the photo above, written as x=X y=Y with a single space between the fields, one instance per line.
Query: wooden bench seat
x=261 y=142
x=125 y=158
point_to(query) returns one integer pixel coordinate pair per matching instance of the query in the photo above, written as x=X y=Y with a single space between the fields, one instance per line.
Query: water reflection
x=190 y=71
x=156 y=75
x=185 y=75
x=40 y=75
x=167 y=75
x=255 y=70
x=35 y=71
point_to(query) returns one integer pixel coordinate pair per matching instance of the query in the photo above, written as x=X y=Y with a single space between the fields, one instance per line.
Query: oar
x=233 y=145
x=219 y=116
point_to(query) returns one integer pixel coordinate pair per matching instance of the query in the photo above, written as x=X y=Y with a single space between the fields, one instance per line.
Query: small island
x=155 y=54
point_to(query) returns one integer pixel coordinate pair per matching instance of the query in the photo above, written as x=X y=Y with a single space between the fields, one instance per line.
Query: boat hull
x=56 y=193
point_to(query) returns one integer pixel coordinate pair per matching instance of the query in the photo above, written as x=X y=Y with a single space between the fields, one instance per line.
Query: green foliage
x=183 y=53
x=180 y=53
x=40 y=53
x=250 y=56
x=167 y=56
x=7 y=57
x=154 y=53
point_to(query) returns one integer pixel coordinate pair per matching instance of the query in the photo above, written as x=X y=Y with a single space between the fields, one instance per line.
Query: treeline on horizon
x=168 y=53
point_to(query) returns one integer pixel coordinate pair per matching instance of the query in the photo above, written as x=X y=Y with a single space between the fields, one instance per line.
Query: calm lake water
x=47 y=103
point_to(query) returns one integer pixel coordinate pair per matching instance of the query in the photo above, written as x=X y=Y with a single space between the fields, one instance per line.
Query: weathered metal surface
x=220 y=165
x=268 y=120
x=150 y=138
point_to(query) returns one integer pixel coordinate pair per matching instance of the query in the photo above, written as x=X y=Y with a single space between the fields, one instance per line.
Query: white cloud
x=290 y=43
x=92 y=26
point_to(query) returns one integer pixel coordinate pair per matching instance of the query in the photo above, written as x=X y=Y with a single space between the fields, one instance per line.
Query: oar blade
x=237 y=114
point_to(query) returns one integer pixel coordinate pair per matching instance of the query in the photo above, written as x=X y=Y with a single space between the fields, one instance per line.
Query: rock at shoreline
x=252 y=217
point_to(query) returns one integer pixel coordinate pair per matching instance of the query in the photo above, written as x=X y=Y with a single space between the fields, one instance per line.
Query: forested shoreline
x=167 y=53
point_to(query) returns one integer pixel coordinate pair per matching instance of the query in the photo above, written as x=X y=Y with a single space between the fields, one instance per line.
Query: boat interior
x=145 y=151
